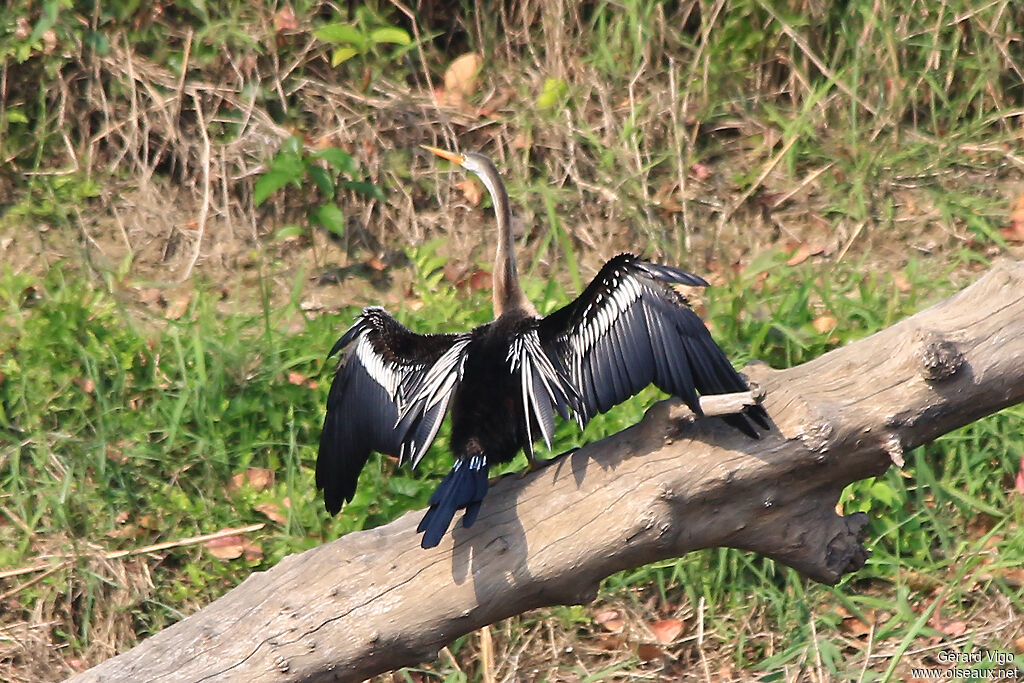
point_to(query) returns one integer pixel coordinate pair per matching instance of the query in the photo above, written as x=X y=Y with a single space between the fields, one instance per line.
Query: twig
x=808 y=179
x=486 y=655
x=36 y=579
x=700 y=639
x=801 y=42
x=768 y=168
x=204 y=209
x=727 y=404
x=193 y=540
x=849 y=242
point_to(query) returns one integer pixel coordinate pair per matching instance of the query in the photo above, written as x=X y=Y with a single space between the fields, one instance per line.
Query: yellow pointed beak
x=445 y=154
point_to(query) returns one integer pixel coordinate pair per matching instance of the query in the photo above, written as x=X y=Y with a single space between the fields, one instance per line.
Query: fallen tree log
x=374 y=600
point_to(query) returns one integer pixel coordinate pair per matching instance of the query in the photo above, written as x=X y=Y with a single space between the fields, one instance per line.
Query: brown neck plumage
x=507 y=295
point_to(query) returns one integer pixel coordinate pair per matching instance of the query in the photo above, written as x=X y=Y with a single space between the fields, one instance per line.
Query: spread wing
x=628 y=329
x=389 y=394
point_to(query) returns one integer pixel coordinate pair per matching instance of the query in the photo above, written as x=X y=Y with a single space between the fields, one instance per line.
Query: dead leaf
x=454 y=271
x=272 y=511
x=802 y=253
x=610 y=643
x=178 y=305
x=226 y=547
x=1013 y=576
x=259 y=477
x=49 y=41
x=461 y=75
x=253 y=551
x=116 y=454
x=700 y=171
x=611 y=620
x=480 y=280
x=148 y=522
x=151 y=297
x=1019 y=645
x=296 y=378
x=497 y=100
x=124 y=531
x=666 y=630
x=284 y=19
x=377 y=264
x=471 y=191
x=85 y=384
x=953 y=628
x=22 y=29
x=665 y=199
x=824 y=323
x=901 y=282
x=234 y=546
x=1018 y=485
x=1016 y=228
x=648 y=651
x=855 y=626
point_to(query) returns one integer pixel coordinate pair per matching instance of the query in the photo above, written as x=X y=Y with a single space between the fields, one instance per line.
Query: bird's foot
x=533 y=464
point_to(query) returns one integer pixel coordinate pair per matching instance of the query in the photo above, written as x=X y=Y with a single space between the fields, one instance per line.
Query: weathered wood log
x=374 y=600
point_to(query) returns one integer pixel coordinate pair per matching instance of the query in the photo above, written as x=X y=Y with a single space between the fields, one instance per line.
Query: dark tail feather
x=464 y=487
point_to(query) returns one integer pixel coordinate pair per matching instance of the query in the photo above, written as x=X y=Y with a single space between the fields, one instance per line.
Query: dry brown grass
x=648 y=155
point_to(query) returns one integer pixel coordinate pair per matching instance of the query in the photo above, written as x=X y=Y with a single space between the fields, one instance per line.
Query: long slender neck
x=506 y=294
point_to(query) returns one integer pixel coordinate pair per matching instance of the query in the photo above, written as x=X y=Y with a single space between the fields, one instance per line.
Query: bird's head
x=474 y=162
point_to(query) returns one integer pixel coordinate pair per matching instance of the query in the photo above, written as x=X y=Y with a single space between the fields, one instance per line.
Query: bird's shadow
x=498 y=537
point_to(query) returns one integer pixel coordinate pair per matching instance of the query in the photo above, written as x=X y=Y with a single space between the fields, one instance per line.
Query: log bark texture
x=374 y=600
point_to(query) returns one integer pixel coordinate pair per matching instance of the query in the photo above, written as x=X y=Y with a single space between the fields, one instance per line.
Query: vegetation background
x=197 y=196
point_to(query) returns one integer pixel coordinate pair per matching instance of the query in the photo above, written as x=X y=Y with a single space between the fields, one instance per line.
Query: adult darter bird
x=503 y=382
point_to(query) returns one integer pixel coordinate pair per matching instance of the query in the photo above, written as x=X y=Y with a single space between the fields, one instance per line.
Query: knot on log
x=808 y=535
x=846 y=552
x=939 y=358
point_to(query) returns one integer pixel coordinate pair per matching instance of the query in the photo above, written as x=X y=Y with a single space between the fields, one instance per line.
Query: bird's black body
x=503 y=382
x=488 y=424
x=487 y=418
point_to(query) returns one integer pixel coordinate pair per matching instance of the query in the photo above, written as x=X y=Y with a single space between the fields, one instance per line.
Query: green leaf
x=390 y=34
x=98 y=43
x=289 y=231
x=343 y=54
x=331 y=218
x=552 y=93
x=405 y=487
x=16 y=116
x=342 y=33
x=323 y=181
x=291 y=146
x=369 y=189
x=882 y=492
x=269 y=183
x=339 y=159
